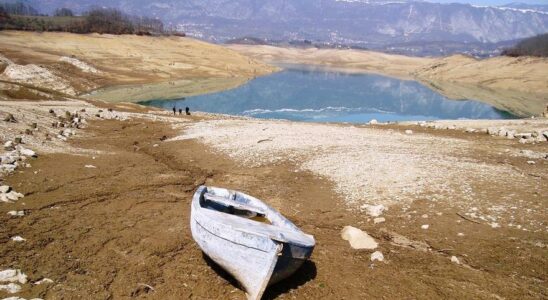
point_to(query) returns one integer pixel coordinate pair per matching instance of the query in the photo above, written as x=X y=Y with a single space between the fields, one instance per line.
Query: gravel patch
x=368 y=166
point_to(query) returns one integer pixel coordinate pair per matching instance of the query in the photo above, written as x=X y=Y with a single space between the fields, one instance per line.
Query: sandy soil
x=119 y=228
x=517 y=85
x=60 y=61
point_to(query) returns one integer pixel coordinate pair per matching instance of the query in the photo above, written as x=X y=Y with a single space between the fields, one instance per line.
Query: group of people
x=187 y=110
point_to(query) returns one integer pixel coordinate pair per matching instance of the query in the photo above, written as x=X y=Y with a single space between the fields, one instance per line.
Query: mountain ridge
x=364 y=23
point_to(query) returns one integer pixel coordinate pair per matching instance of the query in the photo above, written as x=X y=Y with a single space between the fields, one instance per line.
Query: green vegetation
x=534 y=46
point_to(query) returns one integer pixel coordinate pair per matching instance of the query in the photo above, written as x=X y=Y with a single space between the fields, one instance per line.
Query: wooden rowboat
x=249 y=239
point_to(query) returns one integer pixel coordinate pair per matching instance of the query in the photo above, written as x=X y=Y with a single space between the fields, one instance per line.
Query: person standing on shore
x=174 y=111
x=180 y=111
x=187 y=110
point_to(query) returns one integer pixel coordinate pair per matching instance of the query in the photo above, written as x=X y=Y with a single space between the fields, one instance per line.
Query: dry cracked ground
x=109 y=219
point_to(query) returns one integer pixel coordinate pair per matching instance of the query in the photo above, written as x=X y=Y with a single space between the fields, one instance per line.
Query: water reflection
x=327 y=96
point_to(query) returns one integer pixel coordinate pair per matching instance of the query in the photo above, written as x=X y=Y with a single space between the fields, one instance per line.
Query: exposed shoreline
x=118 y=191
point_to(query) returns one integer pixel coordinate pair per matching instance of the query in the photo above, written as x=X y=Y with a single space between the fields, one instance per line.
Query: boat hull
x=256 y=260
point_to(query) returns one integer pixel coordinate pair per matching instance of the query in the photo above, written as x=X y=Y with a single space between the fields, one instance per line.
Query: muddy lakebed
x=312 y=94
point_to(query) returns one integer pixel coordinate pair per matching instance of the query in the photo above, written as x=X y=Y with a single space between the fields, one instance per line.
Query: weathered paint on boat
x=257 y=254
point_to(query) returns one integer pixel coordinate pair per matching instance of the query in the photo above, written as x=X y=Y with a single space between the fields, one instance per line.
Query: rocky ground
x=106 y=189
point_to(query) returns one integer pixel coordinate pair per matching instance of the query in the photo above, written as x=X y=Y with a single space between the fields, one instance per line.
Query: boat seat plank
x=238 y=205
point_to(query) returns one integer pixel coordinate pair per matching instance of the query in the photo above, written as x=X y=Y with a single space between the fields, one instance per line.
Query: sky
x=492 y=2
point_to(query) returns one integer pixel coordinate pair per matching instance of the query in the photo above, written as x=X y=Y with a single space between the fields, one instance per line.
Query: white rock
x=374 y=121
x=425 y=226
x=4 y=198
x=358 y=239
x=531 y=162
x=155 y=145
x=8 y=145
x=409 y=131
x=13 y=195
x=379 y=220
x=16 y=213
x=373 y=210
x=18 y=238
x=43 y=280
x=470 y=130
x=377 y=255
x=454 y=259
x=495 y=225
x=27 y=152
x=502 y=132
x=460 y=234
x=11 y=288
x=492 y=131
x=11 y=275
x=5 y=189
x=425 y=216
x=90 y=166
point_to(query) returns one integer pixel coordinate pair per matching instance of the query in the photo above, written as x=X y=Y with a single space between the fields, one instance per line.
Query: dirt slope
x=75 y=63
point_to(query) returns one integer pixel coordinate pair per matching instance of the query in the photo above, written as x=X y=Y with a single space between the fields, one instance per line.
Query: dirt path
x=120 y=229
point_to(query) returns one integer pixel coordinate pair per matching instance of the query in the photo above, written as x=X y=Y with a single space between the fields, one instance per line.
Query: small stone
x=531 y=162
x=454 y=259
x=425 y=226
x=460 y=234
x=90 y=167
x=18 y=238
x=15 y=213
x=10 y=118
x=11 y=288
x=11 y=275
x=377 y=256
x=155 y=145
x=470 y=130
x=8 y=146
x=409 y=131
x=5 y=189
x=495 y=225
x=379 y=220
x=373 y=210
x=358 y=239
x=27 y=152
x=425 y=216
x=43 y=280
x=502 y=132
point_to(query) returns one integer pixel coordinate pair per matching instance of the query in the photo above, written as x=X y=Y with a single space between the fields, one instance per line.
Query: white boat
x=246 y=237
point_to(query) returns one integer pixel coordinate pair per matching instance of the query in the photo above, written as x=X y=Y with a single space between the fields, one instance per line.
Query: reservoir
x=301 y=93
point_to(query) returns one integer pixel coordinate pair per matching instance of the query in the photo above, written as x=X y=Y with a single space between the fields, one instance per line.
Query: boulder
x=373 y=122
x=358 y=239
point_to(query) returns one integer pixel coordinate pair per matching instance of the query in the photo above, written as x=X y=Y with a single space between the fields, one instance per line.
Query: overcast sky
x=492 y=2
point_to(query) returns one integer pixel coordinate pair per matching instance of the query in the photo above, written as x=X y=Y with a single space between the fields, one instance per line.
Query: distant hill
x=535 y=46
x=369 y=24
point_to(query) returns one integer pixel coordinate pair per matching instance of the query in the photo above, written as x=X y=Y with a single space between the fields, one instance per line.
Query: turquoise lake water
x=321 y=95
